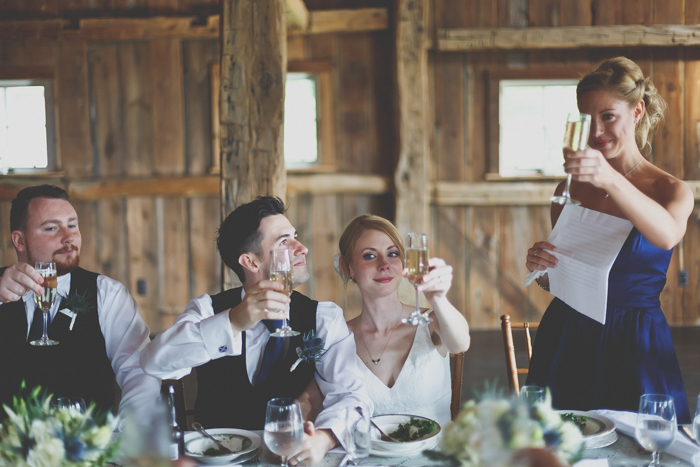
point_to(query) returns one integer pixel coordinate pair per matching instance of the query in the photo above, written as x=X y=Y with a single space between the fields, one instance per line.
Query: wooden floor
x=485 y=361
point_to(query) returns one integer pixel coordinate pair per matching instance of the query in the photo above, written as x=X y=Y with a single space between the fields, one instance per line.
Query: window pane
x=300 y=135
x=532 y=114
x=23 y=124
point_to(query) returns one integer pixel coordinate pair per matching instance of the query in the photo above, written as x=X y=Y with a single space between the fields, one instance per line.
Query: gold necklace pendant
x=376 y=362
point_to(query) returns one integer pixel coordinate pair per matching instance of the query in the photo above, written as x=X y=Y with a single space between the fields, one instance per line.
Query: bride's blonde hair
x=625 y=79
x=357 y=227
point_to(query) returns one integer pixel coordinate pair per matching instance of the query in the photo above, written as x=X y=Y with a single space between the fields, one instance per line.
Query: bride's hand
x=437 y=281
x=538 y=258
x=589 y=165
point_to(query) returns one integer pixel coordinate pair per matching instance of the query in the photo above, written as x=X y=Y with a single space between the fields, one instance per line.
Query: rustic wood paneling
x=449 y=158
x=483 y=234
x=668 y=142
x=143 y=258
x=7 y=249
x=513 y=243
x=112 y=240
x=324 y=240
x=88 y=232
x=204 y=219
x=174 y=264
x=575 y=13
x=692 y=114
x=452 y=246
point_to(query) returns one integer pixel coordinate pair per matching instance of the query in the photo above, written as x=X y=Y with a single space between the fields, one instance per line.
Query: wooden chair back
x=457 y=378
x=511 y=365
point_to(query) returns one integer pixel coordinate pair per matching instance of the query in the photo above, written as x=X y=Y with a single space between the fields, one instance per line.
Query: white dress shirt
x=125 y=334
x=198 y=336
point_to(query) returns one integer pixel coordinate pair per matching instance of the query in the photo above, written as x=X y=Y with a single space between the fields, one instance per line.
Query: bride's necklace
x=376 y=362
x=628 y=172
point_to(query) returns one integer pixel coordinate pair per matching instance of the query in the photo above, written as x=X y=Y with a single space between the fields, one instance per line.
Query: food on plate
x=413 y=430
x=579 y=420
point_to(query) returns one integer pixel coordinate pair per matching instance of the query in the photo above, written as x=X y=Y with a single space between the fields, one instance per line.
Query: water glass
x=74 y=403
x=358 y=439
x=532 y=395
x=146 y=437
x=284 y=428
x=656 y=424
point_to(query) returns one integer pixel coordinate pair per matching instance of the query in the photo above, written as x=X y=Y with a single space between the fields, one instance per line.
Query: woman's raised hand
x=589 y=165
x=538 y=258
x=438 y=280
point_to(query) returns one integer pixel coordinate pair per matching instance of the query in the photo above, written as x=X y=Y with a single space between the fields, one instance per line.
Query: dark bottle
x=177 y=441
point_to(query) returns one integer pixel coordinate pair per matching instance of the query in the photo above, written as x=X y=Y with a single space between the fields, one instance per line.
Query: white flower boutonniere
x=311 y=350
x=72 y=305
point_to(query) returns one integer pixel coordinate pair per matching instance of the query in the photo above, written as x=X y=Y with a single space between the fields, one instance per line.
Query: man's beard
x=64 y=265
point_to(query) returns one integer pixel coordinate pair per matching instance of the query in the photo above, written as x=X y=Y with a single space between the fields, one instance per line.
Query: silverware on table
x=384 y=436
x=688 y=432
x=201 y=430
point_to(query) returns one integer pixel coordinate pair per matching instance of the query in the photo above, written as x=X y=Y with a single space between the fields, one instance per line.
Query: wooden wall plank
x=637 y=11
x=544 y=13
x=325 y=237
x=452 y=246
x=448 y=159
x=692 y=12
x=112 y=238
x=668 y=141
x=606 y=13
x=143 y=257
x=197 y=55
x=484 y=237
x=453 y=13
x=204 y=220
x=137 y=91
x=75 y=147
x=514 y=242
x=692 y=114
x=355 y=104
x=576 y=13
x=105 y=100
x=168 y=106
x=174 y=265
x=7 y=249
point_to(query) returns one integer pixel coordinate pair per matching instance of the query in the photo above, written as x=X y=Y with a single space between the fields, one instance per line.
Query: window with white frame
x=531 y=120
x=25 y=124
x=301 y=139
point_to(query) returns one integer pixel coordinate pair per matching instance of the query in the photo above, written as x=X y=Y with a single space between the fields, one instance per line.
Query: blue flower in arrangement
x=310 y=351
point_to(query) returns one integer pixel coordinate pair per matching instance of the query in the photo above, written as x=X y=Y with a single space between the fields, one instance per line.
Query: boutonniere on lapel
x=72 y=305
x=310 y=351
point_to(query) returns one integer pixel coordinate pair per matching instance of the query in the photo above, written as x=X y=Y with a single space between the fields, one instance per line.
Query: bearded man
x=100 y=339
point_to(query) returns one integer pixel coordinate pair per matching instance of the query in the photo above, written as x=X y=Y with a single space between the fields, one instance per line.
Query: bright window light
x=22 y=126
x=532 y=116
x=300 y=121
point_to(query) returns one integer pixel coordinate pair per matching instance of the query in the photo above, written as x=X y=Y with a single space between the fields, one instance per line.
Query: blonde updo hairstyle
x=356 y=228
x=625 y=79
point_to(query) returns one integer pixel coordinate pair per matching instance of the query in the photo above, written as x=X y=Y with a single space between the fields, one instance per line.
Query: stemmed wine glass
x=358 y=434
x=281 y=271
x=45 y=301
x=416 y=268
x=656 y=424
x=578 y=126
x=284 y=428
x=72 y=403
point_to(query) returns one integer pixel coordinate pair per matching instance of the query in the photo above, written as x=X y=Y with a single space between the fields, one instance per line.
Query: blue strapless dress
x=587 y=365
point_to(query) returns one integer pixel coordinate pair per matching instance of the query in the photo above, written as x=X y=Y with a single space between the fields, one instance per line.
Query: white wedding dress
x=423 y=387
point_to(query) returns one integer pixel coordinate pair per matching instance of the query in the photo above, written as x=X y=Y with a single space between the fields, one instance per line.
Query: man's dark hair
x=20 y=205
x=240 y=232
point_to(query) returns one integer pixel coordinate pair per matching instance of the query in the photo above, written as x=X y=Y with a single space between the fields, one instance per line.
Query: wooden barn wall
x=487 y=245
x=142 y=108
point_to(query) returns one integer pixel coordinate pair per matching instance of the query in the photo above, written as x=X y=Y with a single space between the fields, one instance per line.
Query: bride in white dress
x=406 y=367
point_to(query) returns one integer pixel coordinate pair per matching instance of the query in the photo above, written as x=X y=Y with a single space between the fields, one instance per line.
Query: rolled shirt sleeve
x=197 y=336
x=338 y=375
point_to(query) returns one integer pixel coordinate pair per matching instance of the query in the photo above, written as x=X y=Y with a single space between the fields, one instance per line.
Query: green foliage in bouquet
x=35 y=434
x=488 y=431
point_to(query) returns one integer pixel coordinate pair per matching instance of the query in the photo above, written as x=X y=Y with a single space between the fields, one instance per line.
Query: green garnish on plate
x=579 y=420
x=413 y=430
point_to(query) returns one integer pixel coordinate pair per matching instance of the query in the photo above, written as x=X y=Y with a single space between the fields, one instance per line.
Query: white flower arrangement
x=35 y=434
x=489 y=431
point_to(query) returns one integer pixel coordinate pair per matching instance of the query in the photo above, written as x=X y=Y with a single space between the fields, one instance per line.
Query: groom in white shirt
x=227 y=338
x=97 y=341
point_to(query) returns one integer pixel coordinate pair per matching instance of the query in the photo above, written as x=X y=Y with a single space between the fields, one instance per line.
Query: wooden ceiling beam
x=190 y=27
x=569 y=37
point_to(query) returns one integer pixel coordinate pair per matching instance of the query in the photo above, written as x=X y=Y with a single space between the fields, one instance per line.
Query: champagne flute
x=656 y=424
x=281 y=271
x=578 y=126
x=45 y=301
x=284 y=428
x=416 y=268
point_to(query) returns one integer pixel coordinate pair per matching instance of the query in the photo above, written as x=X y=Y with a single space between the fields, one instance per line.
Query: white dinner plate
x=389 y=423
x=237 y=461
x=414 y=451
x=196 y=444
x=598 y=432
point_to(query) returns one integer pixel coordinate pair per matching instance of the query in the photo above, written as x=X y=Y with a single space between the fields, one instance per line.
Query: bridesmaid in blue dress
x=585 y=364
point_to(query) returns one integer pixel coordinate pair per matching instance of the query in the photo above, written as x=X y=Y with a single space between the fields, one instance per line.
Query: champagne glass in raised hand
x=284 y=428
x=281 y=271
x=45 y=301
x=416 y=268
x=656 y=424
x=578 y=127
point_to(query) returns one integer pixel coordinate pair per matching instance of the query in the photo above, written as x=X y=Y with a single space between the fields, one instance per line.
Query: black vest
x=77 y=367
x=225 y=397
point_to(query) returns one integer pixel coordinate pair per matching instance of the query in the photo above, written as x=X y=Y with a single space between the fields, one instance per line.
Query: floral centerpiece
x=489 y=431
x=36 y=434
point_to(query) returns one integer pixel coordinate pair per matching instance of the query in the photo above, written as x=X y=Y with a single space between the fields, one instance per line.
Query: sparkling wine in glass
x=45 y=301
x=284 y=428
x=281 y=271
x=578 y=126
x=416 y=268
x=656 y=424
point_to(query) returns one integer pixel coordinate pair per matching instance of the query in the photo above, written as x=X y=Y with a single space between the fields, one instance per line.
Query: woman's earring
x=352 y=278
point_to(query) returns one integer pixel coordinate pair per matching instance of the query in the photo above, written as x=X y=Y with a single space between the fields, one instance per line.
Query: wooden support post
x=412 y=176
x=253 y=73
